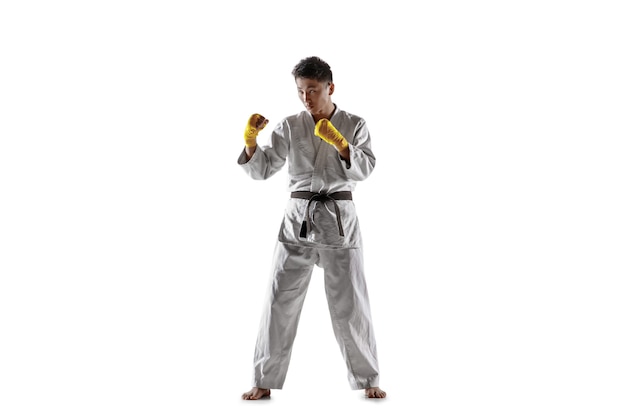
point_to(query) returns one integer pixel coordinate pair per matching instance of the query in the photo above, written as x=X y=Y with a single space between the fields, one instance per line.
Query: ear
x=331 y=88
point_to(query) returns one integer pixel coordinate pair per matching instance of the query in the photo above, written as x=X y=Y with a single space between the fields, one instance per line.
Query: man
x=328 y=151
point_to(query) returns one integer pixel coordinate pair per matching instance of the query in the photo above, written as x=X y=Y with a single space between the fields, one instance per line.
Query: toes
x=375 y=393
x=256 y=394
x=248 y=396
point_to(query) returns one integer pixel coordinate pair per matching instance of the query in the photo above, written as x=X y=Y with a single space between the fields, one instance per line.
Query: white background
x=135 y=253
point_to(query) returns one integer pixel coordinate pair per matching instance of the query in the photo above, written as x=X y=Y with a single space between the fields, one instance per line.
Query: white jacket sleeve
x=362 y=159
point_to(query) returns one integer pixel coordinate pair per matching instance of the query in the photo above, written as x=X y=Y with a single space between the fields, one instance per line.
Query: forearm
x=250 y=151
x=345 y=154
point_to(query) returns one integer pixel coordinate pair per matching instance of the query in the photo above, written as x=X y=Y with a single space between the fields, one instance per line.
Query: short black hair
x=313 y=68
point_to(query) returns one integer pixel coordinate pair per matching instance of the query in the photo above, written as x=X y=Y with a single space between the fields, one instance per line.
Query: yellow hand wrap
x=325 y=130
x=256 y=123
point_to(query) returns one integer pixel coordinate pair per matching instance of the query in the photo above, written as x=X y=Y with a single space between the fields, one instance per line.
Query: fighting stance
x=328 y=150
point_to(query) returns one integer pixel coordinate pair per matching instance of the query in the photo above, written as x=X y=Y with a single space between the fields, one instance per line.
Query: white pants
x=348 y=303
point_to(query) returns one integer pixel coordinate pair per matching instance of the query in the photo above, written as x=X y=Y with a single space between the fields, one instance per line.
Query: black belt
x=307 y=195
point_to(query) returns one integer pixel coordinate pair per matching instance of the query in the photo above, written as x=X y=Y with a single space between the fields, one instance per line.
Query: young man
x=328 y=152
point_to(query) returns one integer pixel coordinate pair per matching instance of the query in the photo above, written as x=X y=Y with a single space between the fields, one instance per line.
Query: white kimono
x=316 y=166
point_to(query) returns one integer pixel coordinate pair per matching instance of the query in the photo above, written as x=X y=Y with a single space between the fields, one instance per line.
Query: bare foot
x=256 y=394
x=375 y=392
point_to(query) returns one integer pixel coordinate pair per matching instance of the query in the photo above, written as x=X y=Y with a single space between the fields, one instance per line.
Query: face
x=315 y=96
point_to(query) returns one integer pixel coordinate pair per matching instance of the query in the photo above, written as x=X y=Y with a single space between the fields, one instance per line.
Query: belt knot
x=323 y=197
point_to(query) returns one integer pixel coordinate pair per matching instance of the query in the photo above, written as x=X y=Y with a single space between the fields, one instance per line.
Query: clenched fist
x=256 y=123
x=325 y=130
